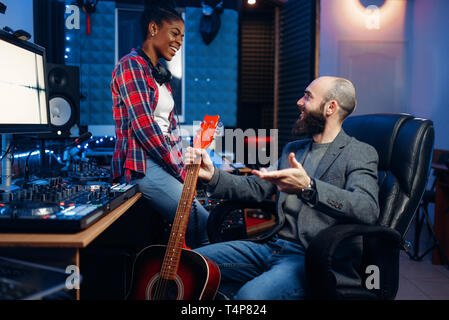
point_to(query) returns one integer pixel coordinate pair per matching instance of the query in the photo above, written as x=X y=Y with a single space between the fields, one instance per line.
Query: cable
x=27 y=167
x=7 y=151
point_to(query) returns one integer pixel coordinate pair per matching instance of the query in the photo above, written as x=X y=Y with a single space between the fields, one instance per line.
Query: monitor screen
x=23 y=95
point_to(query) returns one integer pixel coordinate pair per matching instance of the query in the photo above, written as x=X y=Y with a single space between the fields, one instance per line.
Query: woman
x=147 y=151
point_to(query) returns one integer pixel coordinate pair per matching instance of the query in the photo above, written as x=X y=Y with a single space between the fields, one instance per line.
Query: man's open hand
x=292 y=180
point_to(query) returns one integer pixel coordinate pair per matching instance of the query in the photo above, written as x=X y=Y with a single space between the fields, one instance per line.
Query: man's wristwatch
x=308 y=194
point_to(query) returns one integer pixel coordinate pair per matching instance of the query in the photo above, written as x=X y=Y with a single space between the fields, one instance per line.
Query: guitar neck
x=177 y=236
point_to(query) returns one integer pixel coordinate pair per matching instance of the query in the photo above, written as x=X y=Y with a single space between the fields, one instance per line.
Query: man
x=328 y=179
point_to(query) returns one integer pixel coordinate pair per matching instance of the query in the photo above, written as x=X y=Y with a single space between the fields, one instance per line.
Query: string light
x=35 y=153
x=99 y=142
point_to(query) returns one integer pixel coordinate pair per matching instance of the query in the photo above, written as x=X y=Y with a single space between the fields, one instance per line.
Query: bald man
x=323 y=179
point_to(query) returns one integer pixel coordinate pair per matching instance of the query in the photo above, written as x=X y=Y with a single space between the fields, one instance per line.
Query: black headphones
x=88 y=6
x=2 y=8
x=160 y=73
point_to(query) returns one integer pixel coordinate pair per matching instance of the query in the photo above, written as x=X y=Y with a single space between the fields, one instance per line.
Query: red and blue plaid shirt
x=138 y=136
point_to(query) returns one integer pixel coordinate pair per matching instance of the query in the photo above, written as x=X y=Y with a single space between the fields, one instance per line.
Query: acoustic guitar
x=174 y=272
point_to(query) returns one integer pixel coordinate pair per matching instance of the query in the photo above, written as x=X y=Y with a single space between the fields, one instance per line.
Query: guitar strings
x=178 y=228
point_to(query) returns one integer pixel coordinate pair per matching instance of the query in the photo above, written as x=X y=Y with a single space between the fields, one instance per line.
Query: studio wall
x=428 y=96
x=95 y=55
x=373 y=59
x=401 y=66
x=210 y=70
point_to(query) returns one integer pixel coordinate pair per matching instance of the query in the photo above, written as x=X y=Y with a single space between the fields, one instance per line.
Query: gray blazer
x=346 y=184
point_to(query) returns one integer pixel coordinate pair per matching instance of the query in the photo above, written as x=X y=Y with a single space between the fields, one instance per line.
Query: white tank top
x=165 y=105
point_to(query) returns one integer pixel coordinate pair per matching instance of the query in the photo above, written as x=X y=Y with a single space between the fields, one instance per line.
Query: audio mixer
x=58 y=206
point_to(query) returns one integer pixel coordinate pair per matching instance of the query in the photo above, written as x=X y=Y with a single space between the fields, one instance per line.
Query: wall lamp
x=372 y=19
x=368 y=3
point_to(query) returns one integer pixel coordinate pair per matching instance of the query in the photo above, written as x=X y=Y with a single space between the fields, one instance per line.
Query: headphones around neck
x=161 y=74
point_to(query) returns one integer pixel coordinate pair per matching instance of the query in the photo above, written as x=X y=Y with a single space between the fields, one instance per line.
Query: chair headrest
x=379 y=131
x=408 y=155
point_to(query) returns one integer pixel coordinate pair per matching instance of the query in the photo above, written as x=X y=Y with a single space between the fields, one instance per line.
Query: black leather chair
x=404 y=145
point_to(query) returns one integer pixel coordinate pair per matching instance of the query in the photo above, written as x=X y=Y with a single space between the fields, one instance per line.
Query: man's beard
x=310 y=125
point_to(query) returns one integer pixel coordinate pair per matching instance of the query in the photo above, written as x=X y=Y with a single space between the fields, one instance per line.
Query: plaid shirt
x=135 y=96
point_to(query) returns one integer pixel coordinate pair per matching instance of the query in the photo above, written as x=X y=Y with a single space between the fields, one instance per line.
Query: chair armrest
x=381 y=247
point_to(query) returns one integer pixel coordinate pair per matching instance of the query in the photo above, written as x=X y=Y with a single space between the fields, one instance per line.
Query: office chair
x=404 y=145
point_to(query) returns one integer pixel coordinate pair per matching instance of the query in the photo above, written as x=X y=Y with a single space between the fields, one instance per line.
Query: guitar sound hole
x=163 y=289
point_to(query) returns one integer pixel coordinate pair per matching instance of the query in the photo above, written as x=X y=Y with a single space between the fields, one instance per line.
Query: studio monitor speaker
x=63 y=83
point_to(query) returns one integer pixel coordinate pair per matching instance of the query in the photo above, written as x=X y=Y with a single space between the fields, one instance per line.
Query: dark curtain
x=297 y=36
x=49 y=28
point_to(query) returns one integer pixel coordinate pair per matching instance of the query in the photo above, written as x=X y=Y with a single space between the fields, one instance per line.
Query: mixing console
x=82 y=172
x=55 y=205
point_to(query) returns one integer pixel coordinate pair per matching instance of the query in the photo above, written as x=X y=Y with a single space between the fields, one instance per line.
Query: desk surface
x=75 y=240
x=438 y=166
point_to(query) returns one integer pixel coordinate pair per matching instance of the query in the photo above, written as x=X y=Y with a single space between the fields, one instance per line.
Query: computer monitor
x=23 y=93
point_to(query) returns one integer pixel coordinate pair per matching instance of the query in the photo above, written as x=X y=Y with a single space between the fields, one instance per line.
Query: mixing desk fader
x=52 y=205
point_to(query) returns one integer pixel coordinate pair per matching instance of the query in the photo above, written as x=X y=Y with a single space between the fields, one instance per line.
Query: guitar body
x=197 y=277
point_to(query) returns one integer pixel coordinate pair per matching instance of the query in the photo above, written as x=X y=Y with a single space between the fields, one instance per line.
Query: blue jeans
x=272 y=270
x=163 y=192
